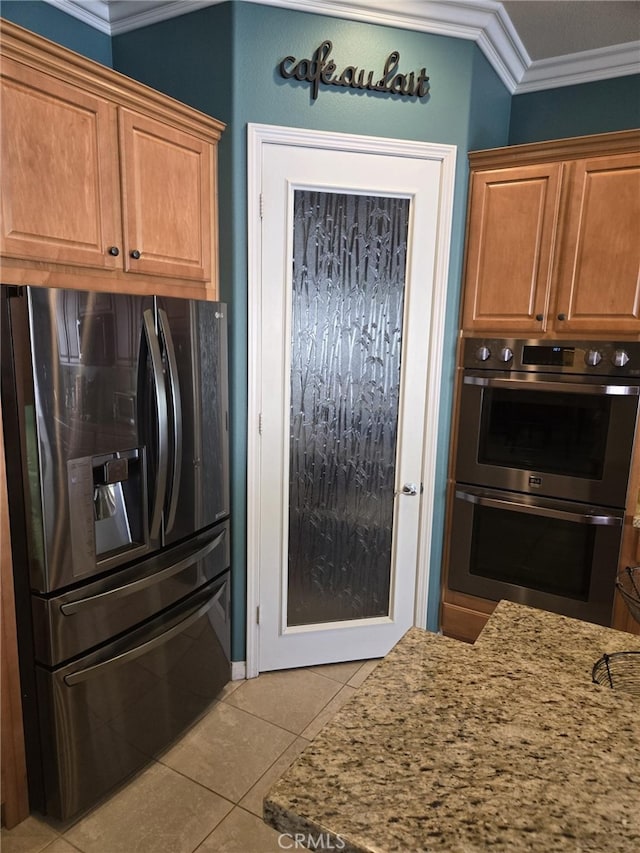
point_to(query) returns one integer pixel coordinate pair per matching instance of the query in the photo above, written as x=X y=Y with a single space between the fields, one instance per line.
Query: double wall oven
x=545 y=440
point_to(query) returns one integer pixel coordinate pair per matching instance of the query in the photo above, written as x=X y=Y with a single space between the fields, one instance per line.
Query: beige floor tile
x=228 y=750
x=60 y=845
x=363 y=673
x=338 y=671
x=160 y=811
x=241 y=832
x=229 y=688
x=30 y=836
x=328 y=712
x=288 y=698
x=252 y=801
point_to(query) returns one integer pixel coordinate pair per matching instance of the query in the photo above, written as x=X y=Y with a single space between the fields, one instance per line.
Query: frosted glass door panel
x=349 y=272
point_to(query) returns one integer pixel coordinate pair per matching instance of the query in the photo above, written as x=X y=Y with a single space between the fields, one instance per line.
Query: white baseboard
x=238 y=670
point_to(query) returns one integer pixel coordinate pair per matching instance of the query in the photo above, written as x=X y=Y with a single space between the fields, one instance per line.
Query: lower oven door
x=554 y=555
x=108 y=713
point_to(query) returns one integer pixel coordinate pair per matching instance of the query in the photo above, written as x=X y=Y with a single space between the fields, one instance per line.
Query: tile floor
x=205 y=793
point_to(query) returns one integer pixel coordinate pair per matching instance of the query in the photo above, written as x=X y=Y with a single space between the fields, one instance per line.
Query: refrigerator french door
x=117 y=457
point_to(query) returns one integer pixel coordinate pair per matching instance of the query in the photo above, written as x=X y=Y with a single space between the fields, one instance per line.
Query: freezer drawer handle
x=73 y=607
x=176 y=412
x=93 y=671
x=547 y=512
x=163 y=426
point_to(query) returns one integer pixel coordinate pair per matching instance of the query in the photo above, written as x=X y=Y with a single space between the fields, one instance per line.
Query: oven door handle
x=530 y=384
x=545 y=511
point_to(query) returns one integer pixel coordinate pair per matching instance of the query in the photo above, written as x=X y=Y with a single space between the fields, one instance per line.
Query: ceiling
x=532 y=44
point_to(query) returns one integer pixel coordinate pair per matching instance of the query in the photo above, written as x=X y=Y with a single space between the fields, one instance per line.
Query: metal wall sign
x=321 y=69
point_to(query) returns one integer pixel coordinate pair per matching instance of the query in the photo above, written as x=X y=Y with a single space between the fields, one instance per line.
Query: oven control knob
x=483 y=353
x=620 y=358
x=506 y=354
x=593 y=358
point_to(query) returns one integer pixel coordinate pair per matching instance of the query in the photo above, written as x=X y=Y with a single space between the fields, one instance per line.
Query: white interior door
x=346 y=319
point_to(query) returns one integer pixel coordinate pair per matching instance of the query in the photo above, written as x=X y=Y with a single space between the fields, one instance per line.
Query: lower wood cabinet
x=462 y=623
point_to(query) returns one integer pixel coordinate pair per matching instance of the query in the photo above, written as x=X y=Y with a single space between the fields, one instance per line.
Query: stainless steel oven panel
x=110 y=712
x=609 y=489
x=601 y=527
x=619 y=359
x=69 y=624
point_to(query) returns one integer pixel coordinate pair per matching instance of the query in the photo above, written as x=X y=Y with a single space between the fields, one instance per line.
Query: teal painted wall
x=264 y=97
x=247 y=56
x=599 y=107
x=55 y=25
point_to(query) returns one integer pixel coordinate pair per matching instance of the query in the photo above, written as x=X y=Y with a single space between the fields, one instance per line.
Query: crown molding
x=122 y=16
x=482 y=21
x=585 y=67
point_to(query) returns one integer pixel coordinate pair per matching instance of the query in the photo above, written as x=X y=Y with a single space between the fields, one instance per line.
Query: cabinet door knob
x=135 y=254
x=114 y=250
x=562 y=316
x=539 y=317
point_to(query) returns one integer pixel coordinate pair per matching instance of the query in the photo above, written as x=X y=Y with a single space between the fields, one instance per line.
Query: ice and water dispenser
x=107 y=496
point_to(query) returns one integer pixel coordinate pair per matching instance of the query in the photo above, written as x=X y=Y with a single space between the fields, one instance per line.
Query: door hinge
x=258 y=615
x=261 y=206
x=260 y=424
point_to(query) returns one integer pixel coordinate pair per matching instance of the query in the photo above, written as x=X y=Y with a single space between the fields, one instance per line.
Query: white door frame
x=257 y=136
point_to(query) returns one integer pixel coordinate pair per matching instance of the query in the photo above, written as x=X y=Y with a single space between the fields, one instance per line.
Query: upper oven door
x=548 y=436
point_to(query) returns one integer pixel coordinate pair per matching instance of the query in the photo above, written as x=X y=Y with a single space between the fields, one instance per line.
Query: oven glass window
x=554 y=432
x=545 y=554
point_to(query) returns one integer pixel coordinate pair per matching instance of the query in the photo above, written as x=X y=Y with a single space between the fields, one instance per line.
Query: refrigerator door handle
x=73 y=607
x=163 y=426
x=176 y=411
x=131 y=654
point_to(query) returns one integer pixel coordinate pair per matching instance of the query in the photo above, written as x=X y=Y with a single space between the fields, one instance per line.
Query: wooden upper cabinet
x=168 y=196
x=60 y=179
x=599 y=267
x=106 y=184
x=511 y=236
x=553 y=238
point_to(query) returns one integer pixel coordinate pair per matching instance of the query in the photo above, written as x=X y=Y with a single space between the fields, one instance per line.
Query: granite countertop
x=505 y=745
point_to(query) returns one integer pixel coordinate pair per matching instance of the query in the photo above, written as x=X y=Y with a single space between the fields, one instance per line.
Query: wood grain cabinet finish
x=599 y=259
x=553 y=245
x=167 y=189
x=60 y=197
x=511 y=237
x=102 y=176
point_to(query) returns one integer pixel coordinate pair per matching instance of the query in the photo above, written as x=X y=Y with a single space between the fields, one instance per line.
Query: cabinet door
x=168 y=199
x=510 y=242
x=598 y=276
x=60 y=194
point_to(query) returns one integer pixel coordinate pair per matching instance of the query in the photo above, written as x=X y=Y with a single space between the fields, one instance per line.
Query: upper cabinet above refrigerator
x=102 y=175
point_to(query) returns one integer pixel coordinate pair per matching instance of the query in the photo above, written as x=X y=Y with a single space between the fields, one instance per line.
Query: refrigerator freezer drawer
x=107 y=714
x=76 y=621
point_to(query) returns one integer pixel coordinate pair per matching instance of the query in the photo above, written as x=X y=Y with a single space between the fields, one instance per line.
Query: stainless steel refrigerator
x=116 y=433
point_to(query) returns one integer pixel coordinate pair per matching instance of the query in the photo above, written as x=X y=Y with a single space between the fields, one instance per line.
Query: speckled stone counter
x=504 y=746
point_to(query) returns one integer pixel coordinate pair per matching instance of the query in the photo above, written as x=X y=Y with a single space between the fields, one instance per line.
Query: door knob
x=410 y=489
